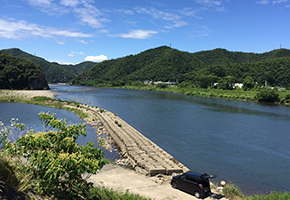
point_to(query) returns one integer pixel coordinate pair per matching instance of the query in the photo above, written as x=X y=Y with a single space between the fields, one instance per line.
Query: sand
x=26 y=94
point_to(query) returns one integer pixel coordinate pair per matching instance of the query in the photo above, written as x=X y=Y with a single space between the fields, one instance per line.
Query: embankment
x=142 y=154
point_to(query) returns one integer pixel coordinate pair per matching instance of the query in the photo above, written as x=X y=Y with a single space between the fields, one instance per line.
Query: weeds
x=109 y=194
x=230 y=191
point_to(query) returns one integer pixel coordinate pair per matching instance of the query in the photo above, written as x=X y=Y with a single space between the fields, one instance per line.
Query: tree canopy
x=19 y=73
x=54 y=72
x=201 y=69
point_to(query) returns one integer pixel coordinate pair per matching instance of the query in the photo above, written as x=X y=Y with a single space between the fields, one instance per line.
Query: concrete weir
x=140 y=151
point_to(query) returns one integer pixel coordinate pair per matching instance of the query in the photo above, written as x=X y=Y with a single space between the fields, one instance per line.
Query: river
x=245 y=143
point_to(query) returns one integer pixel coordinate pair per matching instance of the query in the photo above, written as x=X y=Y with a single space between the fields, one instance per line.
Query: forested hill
x=54 y=72
x=19 y=73
x=201 y=68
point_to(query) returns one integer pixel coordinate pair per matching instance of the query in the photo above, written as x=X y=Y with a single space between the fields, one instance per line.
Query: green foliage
x=268 y=95
x=54 y=72
x=230 y=191
x=248 y=83
x=57 y=160
x=160 y=85
x=109 y=194
x=227 y=83
x=19 y=73
x=16 y=179
x=276 y=195
x=201 y=69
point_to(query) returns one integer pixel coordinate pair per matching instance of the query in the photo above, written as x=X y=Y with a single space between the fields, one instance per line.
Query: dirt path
x=118 y=178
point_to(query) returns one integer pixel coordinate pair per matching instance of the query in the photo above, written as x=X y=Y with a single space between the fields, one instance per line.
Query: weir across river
x=140 y=151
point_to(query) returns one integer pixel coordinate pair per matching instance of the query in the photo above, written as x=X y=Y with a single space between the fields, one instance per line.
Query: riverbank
x=235 y=94
x=26 y=94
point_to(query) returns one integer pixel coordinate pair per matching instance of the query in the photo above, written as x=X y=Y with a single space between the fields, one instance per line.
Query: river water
x=245 y=143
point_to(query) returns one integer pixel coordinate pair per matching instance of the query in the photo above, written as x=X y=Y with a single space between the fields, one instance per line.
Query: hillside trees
x=54 y=72
x=248 y=83
x=19 y=73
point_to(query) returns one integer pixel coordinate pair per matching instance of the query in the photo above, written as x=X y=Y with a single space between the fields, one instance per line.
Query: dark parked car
x=193 y=183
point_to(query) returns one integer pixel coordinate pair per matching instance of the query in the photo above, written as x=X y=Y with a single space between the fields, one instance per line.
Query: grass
x=236 y=94
x=232 y=192
x=276 y=195
x=109 y=194
x=16 y=179
x=56 y=103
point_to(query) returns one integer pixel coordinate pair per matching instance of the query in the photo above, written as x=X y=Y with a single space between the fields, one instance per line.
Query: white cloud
x=82 y=41
x=21 y=29
x=40 y=2
x=158 y=14
x=263 y=2
x=125 y=11
x=84 y=10
x=99 y=58
x=279 y=1
x=88 y=15
x=72 y=3
x=60 y=42
x=216 y=4
x=209 y=2
x=202 y=31
x=73 y=54
x=137 y=34
x=48 y=6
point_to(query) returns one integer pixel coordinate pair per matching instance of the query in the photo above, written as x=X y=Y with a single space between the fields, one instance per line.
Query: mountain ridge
x=54 y=72
x=164 y=63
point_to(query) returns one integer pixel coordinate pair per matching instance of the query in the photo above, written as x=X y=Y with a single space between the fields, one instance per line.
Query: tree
x=227 y=83
x=248 y=83
x=57 y=160
x=203 y=81
x=268 y=95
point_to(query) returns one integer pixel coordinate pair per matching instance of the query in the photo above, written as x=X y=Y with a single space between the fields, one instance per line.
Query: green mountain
x=54 y=72
x=164 y=63
x=19 y=73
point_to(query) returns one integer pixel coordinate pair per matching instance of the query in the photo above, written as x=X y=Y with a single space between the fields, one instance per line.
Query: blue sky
x=72 y=31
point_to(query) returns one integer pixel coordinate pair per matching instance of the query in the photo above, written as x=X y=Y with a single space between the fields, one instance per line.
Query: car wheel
x=196 y=194
x=174 y=185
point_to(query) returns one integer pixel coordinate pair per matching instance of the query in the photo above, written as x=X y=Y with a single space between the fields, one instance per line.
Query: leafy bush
x=57 y=160
x=230 y=191
x=268 y=95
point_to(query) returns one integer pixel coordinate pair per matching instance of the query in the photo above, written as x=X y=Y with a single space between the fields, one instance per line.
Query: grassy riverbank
x=235 y=94
x=233 y=193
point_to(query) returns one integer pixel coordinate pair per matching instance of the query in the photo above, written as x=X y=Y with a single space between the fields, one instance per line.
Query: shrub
x=57 y=160
x=230 y=191
x=267 y=95
x=41 y=98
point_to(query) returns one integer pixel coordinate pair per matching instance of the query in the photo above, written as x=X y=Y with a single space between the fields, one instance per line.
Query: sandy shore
x=26 y=94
